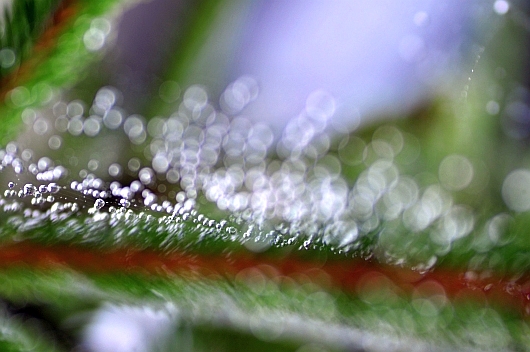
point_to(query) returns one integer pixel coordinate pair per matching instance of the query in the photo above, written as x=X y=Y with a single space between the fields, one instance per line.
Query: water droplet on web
x=99 y=203
x=125 y=203
x=29 y=189
x=53 y=188
x=202 y=155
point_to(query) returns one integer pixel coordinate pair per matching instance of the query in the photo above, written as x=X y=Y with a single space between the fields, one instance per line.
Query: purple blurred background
x=364 y=58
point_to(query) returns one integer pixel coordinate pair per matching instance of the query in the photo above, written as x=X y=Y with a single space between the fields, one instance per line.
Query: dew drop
x=99 y=203
x=29 y=189
x=125 y=203
x=53 y=188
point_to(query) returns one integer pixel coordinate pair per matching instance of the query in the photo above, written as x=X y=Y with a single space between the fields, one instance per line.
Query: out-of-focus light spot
x=94 y=39
x=498 y=229
x=195 y=98
x=55 y=142
x=320 y=105
x=321 y=303
x=75 y=108
x=115 y=170
x=254 y=278
x=134 y=127
x=455 y=172
x=486 y=330
x=75 y=126
x=351 y=150
x=431 y=289
x=61 y=124
x=327 y=166
x=456 y=223
x=102 y=24
x=492 y=107
x=238 y=94
x=375 y=288
x=347 y=123
x=501 y=6
x=92 y=126
x=436 y=199
x=134 y=164
x=261 y=135
x=265 y=326
x=417 y=217
x=381 y=149
x=400 y=197
x=156 y=127
x=173 y=176
x=20 y=96
x=392 y=136
x=429 y=299
x=40 y=126
x=433 y=203
x=27 y=155
x=169 y=91
x=124 y=329
x=7 y=58
x=93 y=165
x=425 y=307
x=160 y=163
x=516 y=190
x=146 y=175
x=105 y=99
x=421 y=18
x=113 y=119
x=44 y=163
x=29 y=116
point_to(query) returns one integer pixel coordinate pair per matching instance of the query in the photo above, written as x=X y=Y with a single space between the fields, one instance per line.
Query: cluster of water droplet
x=312 y=185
